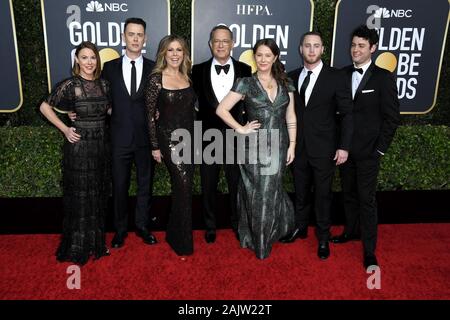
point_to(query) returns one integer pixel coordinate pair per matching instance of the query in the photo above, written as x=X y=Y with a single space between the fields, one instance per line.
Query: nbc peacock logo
x=386 y=13
x=382 y=13
x=94 y=6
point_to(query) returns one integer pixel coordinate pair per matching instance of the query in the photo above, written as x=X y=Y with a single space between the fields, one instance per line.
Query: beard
x=312 y=60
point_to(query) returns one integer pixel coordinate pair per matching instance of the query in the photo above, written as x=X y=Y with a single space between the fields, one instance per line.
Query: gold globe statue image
x=108 y=54
x=247 y=57
x=387 y=61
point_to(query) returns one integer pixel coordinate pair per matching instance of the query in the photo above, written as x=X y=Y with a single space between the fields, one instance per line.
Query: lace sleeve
x=152 y=90
x=62 y=96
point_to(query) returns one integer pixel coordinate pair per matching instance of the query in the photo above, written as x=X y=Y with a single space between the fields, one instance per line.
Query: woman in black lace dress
x=86 y=175
x=169 y=92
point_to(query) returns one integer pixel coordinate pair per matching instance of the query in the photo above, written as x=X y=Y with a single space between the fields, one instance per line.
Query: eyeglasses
x=224 y=42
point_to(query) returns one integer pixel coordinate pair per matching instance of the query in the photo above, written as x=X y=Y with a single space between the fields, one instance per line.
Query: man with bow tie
x=212 y=81
x=376 y=117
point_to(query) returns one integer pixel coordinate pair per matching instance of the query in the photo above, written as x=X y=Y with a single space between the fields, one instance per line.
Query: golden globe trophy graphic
x=387 y=60
x=248 y=58
x=108 y=54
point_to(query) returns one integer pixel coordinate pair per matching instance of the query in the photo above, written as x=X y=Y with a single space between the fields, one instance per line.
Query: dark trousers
x=313 y=173
x=122 y=160
x=359 y=184
x=209 y=174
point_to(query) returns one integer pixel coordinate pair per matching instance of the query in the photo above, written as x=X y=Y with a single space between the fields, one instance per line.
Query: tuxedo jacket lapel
x=296 y=75
x=207 y=84
x=145 y=71
x=321 y=81
x=364 y=80
x=120 y=74
x=237 y=70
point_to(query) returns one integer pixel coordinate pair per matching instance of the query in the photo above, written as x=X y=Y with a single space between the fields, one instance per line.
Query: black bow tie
x=359 y=70
x=225 y=68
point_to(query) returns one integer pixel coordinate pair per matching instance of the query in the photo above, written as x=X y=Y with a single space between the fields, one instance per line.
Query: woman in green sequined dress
x=266 y=213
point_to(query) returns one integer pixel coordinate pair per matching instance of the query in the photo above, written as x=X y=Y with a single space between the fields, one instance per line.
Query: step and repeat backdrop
x=412 y=43
x=282 y=20
x=11 y=87
x=412 y=36
x=69 y=22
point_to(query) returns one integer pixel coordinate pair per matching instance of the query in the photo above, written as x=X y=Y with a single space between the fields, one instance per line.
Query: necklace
x=269 y=85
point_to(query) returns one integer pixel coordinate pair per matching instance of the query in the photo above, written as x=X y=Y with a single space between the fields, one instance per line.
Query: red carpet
x=414 y=260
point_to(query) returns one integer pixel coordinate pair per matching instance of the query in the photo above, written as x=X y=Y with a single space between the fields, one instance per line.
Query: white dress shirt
x=312 y=80
x=357 y=77
x=222 y=83
x=126 y=71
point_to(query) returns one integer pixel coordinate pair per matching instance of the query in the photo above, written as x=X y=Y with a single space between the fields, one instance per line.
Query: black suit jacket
x=317 y=128
x=129 y=116
x=375 y=113
x=201 y=78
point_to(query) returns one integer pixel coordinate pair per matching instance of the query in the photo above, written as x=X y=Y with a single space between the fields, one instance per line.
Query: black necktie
x=359 y=70
x=225 y=68
x=304 y=86
x=133 y=79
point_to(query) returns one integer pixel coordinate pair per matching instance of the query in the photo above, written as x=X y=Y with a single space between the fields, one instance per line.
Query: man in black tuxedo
x=376 y=117
x=129 y=132
x=212 y=81
x=321 y=93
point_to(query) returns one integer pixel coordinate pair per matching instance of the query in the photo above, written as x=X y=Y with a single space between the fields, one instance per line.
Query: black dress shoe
x=118 y=240
x=146 y=236
x=210 y=236
x=324 y=250
x=370 y=260
x=301 y=233
x=343 y=238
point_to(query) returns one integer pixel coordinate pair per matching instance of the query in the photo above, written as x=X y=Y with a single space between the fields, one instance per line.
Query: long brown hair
x=161 y=64
x=277 y=67
x=76 y=66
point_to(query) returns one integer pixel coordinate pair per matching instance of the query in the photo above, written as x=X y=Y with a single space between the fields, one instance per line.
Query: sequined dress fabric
x=86 y=168
x=176 y=111
x=265 y=210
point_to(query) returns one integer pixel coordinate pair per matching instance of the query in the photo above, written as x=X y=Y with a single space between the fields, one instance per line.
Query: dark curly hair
x=365 y=32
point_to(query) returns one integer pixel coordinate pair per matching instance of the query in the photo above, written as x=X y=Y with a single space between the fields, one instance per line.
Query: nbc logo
x=386 y=13
x=94 y=6
x=382 y=13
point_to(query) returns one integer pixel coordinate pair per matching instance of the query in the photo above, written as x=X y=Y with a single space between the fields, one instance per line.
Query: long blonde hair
x=161 y=64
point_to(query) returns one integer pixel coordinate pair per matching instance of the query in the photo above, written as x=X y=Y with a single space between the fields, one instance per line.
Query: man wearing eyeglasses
x=212 y=81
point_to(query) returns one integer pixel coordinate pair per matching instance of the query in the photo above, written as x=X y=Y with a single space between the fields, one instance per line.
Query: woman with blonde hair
x=170 y=93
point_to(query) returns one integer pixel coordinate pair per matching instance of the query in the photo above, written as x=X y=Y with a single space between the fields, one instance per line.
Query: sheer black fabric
x=86 y=169
x=176 y=111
